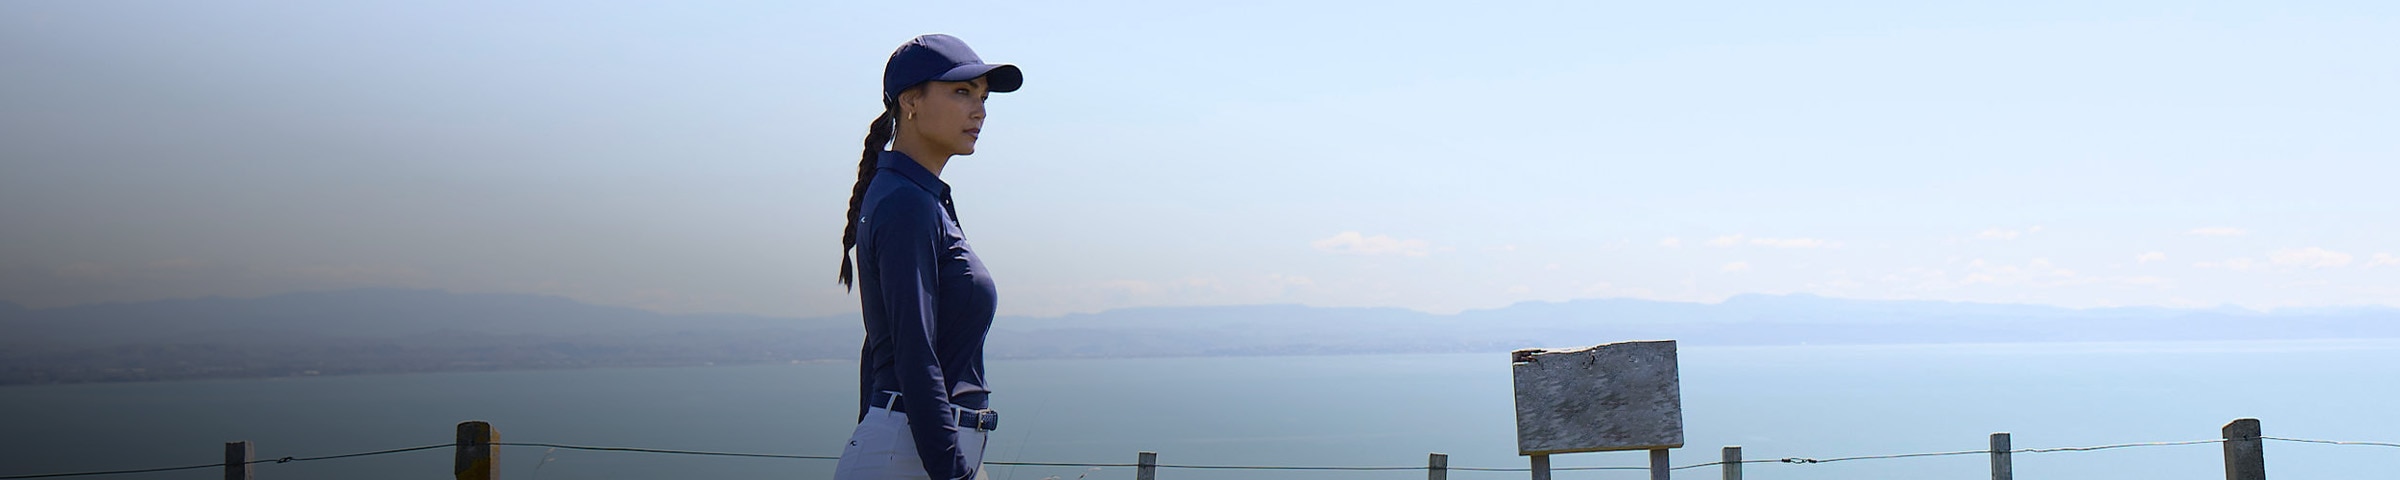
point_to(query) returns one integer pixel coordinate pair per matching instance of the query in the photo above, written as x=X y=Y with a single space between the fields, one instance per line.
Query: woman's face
x=948 y=116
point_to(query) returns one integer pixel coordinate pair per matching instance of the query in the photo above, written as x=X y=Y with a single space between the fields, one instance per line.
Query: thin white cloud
x=1794 y=243
x=1735 y=267
x=1353 y=243
x=2005 y=234
x=2150 y=257
x=1606 y=289
x=2242 y=264
x=2217 y=232
x=2384 y=260
x=2287 y=259
x=1670 y=242
x=2038 y=272
x=2311 y=257
x=1739 y=239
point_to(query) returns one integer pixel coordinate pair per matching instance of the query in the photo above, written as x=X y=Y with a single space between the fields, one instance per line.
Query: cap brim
x=1003 y=78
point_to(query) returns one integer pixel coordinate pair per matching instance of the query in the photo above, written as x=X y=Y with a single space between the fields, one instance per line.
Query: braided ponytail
x=878 y=134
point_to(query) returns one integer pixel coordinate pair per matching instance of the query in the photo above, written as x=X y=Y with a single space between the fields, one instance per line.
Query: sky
x=698 y=156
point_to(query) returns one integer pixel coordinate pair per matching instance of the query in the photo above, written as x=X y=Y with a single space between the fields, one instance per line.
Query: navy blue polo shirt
x=927 y=302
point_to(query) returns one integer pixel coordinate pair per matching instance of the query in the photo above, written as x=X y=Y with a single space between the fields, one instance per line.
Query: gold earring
x=912 y=116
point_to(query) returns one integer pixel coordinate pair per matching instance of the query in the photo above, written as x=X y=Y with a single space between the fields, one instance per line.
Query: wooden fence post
x=1731 y=462
x=477 y=459
x=2003 y=466
x=2245 y=451
x=1541 y=466
x=1437 y=467
x=1147 y=467
x=237 y=460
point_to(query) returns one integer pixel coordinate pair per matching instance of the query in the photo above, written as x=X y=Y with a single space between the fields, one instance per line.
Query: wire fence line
x=223 y=464
x=562 y=446
x=2333 y=442
x=1474 y=469
x=1785 y=460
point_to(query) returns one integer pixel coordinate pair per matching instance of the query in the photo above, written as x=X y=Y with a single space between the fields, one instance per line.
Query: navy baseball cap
x=946 y=58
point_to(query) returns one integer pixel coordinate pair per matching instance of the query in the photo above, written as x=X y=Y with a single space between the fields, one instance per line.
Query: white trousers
x=881 y=449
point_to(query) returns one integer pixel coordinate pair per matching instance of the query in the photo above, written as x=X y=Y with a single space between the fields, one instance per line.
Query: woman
x=926 y=298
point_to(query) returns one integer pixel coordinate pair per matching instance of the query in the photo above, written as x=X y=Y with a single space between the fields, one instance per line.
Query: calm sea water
x=1810 y=401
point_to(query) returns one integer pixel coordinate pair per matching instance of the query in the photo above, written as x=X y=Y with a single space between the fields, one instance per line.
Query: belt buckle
x=985 y=420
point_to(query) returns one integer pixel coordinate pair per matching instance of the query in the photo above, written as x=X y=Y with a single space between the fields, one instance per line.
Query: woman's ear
x=908 y=101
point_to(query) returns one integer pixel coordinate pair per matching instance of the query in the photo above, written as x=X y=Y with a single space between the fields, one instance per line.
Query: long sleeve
x=866 y=378
x=908 y=236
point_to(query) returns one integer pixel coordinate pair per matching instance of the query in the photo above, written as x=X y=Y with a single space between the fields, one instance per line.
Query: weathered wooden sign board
x=1618 y=396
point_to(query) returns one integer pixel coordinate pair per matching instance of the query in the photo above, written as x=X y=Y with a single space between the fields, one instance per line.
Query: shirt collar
x=908 y=168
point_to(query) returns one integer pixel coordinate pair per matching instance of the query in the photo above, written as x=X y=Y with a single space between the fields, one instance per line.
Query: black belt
x=985 y=419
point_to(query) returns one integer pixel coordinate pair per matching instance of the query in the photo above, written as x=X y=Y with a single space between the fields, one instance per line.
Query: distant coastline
x=378 y=331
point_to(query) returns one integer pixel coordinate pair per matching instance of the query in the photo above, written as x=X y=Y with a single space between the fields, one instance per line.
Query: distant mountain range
x=392 y=330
